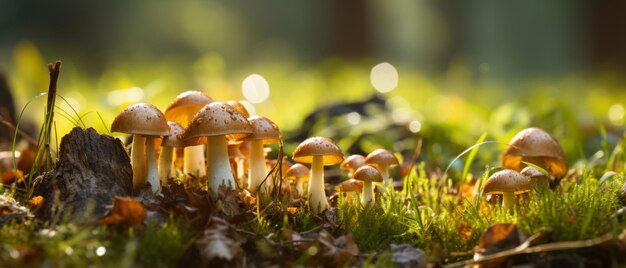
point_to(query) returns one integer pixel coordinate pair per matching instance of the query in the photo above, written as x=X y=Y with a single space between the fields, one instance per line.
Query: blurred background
x=465 y=68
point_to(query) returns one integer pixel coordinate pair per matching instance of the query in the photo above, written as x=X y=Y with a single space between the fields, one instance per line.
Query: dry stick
x=52 y=92
x=536 y=249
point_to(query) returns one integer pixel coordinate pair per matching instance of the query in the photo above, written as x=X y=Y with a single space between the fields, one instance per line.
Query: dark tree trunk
x=91 y=171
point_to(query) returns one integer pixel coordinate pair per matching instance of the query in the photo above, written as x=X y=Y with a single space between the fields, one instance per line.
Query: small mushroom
x=166 y=158
x=534 y=145
x=508 y=183
x=382 y=160
x=239 y=107
x=352 y=163
x=349 y=187
x=181 y=111
x=368 y=174
x=264 y=131
x=271 y=164
x=216 y=123
x=320 y=152
x=146 y=122
x=299 y=173
x=538 y=180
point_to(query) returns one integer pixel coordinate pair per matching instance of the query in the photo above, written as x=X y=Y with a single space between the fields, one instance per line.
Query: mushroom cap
x=532 y=172
x=216 y=119
x=297 y=171
x=536 y=146
x=239 y=107
x=185 y=106
x=368 y=173
x=173 y=139
x=318 y=146
x=285 y=166
x=507 y=180
x=381 y=156
x=263 y=129
x=350 y=185
x=353 y=162
x=142 y=119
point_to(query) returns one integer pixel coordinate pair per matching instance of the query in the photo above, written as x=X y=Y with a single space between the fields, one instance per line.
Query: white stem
x=317 y=196
x=508 y=199
x=218 y=165
x=241 y=176
x=151 y=163
x=175 y=155
x=258 y=169
x=194 y=161
x=300 y=186
x=368 y=193
x=166 y=164
x=138 y=161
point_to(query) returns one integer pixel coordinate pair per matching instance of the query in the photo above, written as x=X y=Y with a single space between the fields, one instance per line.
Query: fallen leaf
x=498 y=237
x=218 y=242
x=335 y=252
x=126 y=212
x=36 y=201
x=404 y=255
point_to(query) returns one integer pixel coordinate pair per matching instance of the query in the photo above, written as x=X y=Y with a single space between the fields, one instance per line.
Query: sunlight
x=255 y=88
x=384 y=77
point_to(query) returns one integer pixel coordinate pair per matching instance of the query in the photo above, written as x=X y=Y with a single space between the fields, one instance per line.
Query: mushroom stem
x=153 y=173
x=258 y=169
x=384 y=171
x=194 y=160
x=166 y=163
x=138 y=161
x=368 y=193
x=508 y=199
x=300 y=186
x=218 y=165
x=317 y=196
x=241 y=176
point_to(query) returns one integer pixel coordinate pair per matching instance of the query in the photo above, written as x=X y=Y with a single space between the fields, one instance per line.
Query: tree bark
x=92 y=169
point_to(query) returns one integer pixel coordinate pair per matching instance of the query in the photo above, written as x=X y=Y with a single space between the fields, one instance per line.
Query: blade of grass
x=472 y=154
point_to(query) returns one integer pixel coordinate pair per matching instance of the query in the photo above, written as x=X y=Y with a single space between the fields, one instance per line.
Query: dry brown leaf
x=218 y=242
x=336 y=252
x=126 y=212
x=498 y=237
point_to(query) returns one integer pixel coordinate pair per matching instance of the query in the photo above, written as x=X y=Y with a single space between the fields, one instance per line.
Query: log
x=92 y=169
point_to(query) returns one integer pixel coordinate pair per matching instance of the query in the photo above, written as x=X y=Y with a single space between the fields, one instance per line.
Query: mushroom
x=368 y=174
x=181 y=111
x=216 y=123
x=239 y=107
x=166 y=158
x=352 y=163
x=299 y=173
x=234 y=154
x=507 y=182
x=320 y=152
x=146 y=122
x=538 y=180
x=264 y=131
x=271 y=164
x=534 y=145
x=350 y=186
x=382 y=160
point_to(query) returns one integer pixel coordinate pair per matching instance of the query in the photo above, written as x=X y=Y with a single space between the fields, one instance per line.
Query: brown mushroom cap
x=215 y=119
x=532 y=172
x=350 y=185
x=285 y=166
x=507 y=181
x=263 y=129
x=173 y=139
x=297 y=171
x=185 y=106
x=239 y=107
x=368 y=173
x=142 y=119
x=318 y=146
x=353 y=162
x=536 y=146
x=381 y=156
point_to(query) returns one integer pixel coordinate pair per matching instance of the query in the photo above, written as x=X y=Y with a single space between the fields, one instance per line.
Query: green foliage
x=162 y=246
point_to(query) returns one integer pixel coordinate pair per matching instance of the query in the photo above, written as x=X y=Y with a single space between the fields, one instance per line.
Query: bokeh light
x=255 y=88
x=384 y=77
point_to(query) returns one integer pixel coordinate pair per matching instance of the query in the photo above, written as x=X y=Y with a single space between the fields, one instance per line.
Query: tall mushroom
x=242 y=162
x=534 y=145
x=264 y=131
x=368 y=174
x=508 y=183
x=320 y=152
x=382 y=160
x=182 y=110
x=218 y=122
x=166 y=158
x=146 y=122
x=352 y=163
x=299 y=173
